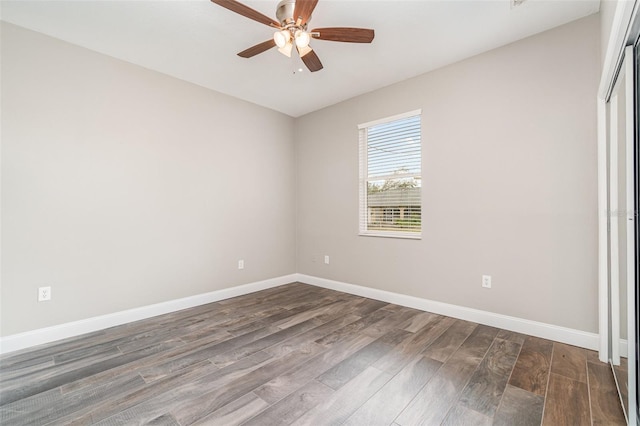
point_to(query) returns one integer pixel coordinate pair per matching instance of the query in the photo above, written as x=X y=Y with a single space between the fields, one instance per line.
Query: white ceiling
x=197 y=41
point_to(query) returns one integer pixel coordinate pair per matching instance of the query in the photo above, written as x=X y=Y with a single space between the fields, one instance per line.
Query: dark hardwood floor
x=304 y=355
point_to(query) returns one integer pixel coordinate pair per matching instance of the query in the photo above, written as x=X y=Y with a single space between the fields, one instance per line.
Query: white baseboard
x=547 y=331
x=40 y=336
x=49 y=334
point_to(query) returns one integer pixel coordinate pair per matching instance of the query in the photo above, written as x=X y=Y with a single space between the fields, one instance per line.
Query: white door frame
x=614 y=232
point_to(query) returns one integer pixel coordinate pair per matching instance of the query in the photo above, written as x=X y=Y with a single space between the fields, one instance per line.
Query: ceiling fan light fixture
x=282 y=38
x=291 y=28
x=302 y=38
x=302 y=51
x=286 y=49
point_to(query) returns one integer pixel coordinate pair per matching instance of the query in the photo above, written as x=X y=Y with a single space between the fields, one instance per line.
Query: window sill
x=382 y=234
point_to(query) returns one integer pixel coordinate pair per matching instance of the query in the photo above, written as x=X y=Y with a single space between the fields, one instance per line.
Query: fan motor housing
x=284 y=12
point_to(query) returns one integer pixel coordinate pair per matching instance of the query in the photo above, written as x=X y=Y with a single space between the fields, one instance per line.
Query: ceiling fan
x=294 y=16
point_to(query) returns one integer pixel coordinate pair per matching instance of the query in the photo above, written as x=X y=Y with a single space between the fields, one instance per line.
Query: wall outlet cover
x=44 y=294
x=486 y=281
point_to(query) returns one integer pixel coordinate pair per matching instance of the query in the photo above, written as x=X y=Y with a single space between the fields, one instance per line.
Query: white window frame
x=364 y=179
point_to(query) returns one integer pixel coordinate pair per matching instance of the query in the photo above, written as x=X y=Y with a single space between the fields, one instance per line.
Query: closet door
x=622 y=166
x=629 y=216
x=633 y=254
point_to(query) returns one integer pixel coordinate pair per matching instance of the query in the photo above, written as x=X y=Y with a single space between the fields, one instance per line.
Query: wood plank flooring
x=304 y=355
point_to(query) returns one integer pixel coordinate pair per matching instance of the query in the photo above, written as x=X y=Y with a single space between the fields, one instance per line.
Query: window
x=390 y=176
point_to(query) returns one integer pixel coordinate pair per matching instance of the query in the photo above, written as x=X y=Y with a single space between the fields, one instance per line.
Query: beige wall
x=122 y=187
x=509 y=183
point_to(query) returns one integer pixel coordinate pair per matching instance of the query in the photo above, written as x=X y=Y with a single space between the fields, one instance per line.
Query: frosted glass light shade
x=281 y=38
x=302 y=38
x=286 y=49
x=302 y=51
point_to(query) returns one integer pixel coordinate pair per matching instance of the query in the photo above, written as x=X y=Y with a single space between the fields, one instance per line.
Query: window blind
x=391 y=177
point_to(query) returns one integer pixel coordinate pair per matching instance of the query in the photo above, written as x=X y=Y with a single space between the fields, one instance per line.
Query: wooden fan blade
x=247 y=12
x=311 y=60
x=303 y=10
x=258 y=48
x=349 y=35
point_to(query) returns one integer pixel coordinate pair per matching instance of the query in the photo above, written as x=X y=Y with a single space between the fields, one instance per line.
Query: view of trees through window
x=385 y=210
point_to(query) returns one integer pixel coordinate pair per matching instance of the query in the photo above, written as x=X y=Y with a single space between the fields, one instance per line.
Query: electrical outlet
x=44 y=294
x=240 y=264
x=486 y=281
x=326 y=259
